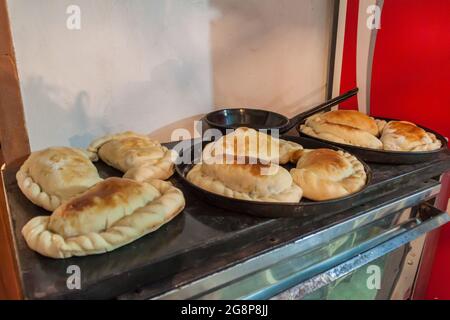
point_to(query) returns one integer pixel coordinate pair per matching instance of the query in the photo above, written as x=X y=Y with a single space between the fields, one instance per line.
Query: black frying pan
x=263 y=119
x=304 y=208
x=388 y=157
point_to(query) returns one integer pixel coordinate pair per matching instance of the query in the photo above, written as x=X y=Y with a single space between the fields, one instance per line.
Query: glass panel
x=311 y=262
x=354 y=286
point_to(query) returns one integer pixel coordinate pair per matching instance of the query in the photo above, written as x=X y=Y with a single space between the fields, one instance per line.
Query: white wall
x=271 y=54
x=141 y=65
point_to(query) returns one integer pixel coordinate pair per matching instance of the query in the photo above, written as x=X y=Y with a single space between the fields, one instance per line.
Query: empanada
x=256 y=182
x=52 y=176
x=406 y=136
x=111 y=214
x=136 y=155
x=346 y=127
x=352 y=118
x=325 y=174
x=251 y=144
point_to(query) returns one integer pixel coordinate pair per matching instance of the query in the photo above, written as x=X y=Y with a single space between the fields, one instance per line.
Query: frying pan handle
x=327 y=104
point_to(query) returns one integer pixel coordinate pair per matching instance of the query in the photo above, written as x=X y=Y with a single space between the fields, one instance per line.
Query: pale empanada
x=256 y=182
x=248 y=143
x=52 y=176
x=136 y=155
x=325 y=174
x=346 y=127
x=111 y=214
x=406 y=136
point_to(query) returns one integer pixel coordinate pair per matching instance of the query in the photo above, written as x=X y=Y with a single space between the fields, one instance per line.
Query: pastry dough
x=406 y=136
x=52 y=176
x=346 y=127
x=246 y=143
x=138 y=156
x=325 y=174
x=352 y=118
x=256 y=182
x=244 y=165
x=111 y=214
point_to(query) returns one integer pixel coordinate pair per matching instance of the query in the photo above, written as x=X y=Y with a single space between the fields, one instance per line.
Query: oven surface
x=206 y=248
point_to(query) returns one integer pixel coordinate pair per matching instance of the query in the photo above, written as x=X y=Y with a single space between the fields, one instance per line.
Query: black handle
x=327 y=104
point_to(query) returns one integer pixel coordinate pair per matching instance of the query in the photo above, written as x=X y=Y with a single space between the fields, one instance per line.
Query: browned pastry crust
x=250 y=143
x=325 y=174
x=406 y=136
x=136 y=155
x=256 y=182
x=54 y=175
x=346 y=127
x=111 y=214
x=354 y=119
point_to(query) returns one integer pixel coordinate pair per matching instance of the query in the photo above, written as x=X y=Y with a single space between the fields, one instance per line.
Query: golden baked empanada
x=111 y=214
x=406 y=136
x=257 y=182
x=252 y=144
x=52 y=176
x=346 y=127
x=136 y=155
x=352 y=118
x=325 y=174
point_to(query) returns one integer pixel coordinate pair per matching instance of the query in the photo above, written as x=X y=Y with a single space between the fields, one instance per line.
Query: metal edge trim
x=333 y=42
x=362 y=259
x=372 y=44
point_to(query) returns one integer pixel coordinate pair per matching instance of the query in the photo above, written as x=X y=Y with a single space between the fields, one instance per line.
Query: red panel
x=348 y=74
x=411 y=68
x=411 y=81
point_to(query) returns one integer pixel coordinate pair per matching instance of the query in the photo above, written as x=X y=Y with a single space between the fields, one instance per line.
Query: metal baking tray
x=383 y=156
x=304 y=208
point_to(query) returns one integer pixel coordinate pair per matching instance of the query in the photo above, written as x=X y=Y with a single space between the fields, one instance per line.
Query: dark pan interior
x=270 y=209
x=252 y=118
x=387 y=157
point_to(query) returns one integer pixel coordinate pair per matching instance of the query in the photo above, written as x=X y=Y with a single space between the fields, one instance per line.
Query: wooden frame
x=13 y=132
x=14 y=144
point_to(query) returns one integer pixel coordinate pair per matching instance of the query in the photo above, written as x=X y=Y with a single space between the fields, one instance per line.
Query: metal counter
x=207 y=252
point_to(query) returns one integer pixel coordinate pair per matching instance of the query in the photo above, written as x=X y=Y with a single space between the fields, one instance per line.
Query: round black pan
x=383 y=156
x=267 y=120
x=303 y=208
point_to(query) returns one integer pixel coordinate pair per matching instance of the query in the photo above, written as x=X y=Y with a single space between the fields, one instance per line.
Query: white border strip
x=339 y=47
x=364 y=57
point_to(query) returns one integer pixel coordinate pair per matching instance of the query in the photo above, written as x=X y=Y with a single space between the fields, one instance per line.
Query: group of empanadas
x=355 y=128
x=245 y=165
x=92 y=215
x=321 y=174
